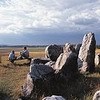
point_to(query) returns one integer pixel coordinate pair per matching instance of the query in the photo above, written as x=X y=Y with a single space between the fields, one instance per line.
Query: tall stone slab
x=87 y=53
x=67 y=64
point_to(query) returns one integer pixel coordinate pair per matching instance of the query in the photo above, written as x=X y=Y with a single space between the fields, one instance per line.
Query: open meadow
x=13 y=76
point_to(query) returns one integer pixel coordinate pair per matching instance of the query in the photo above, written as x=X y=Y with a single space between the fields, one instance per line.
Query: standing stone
x=87 y=53
x=66 y=64
x=53 y=52
x=97 y=59
x=69 y=48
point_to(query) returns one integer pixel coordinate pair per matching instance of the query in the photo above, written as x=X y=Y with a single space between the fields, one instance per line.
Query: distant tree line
x=18 y=46
x=98 y=46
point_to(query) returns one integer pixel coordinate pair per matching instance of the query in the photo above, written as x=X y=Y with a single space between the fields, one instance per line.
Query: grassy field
x=13 y=76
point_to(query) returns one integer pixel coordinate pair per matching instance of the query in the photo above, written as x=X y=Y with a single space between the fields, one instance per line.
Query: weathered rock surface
x=77 y=48
x=96 y=95
x=28 y=86
x=54 y=97
x=66 y=64
x=97 y=59
x=38 y=71
x=69 y=48
x=50 y=63
x=39 y=61
x=53 y=52
x=87 y=53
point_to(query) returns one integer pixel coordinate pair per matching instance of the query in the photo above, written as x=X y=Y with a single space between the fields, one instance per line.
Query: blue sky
x=37 y=22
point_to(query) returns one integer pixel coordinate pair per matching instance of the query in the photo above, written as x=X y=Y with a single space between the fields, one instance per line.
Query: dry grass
x=97 y=50
x=12 y=77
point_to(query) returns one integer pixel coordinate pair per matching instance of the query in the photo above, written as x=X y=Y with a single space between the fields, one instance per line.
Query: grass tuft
x=5 y=92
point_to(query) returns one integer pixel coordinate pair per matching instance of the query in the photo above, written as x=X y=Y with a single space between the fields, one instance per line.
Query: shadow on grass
x=97 y=69
x=5 y=96
x=8 y=66
x=77 y=88
x=5 y=92
x=13 y=65
x=22 y=64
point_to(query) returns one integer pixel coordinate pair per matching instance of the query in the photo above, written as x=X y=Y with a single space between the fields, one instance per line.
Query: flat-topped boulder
x=39 y=61
x=87 y=53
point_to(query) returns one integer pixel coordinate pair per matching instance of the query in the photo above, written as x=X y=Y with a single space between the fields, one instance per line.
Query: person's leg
x=12 y=60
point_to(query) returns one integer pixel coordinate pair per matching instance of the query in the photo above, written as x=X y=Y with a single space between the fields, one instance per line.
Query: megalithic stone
x=68 y=48
x=87 y=53
x=53 y=52
x=67 y=64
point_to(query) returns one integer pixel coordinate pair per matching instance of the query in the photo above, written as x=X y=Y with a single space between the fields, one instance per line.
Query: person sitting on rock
x=24 y=53
x=12 y=56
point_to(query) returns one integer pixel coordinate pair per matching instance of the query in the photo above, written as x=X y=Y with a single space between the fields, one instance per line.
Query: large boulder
x=39 y=71
x=66 y=64
x=87 y=53
x=53 y=52
x=97 y=59
x=53 y=97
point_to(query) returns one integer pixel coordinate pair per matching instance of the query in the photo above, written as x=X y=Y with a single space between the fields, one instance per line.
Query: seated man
x=24 y=53
x=12 y=56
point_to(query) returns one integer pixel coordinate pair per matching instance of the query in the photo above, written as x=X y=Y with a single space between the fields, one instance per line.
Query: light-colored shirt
x=26 y=53
x=11 y=56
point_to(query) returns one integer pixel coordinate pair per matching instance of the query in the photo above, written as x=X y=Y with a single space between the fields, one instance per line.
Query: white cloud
x=19 y=16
